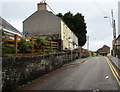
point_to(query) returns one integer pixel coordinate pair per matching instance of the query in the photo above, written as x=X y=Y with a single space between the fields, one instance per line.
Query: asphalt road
x=93 y=74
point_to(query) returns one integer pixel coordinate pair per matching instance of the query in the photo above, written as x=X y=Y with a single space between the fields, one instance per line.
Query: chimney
x=41 y=6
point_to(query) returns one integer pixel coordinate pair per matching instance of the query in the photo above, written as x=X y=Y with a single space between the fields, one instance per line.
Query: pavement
x=0 y=74
x=77 y=61
x=115 y=60
x=93 y=74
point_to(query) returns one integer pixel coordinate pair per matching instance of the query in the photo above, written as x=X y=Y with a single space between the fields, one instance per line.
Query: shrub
x=38 y=43
x=24 y=46
x=6 y=49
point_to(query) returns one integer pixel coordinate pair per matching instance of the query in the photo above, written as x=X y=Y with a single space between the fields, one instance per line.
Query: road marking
x=116 y=75
x=114 y=68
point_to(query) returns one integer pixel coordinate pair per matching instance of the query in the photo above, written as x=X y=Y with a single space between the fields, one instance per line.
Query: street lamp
x=109 y=20
x=114 y=32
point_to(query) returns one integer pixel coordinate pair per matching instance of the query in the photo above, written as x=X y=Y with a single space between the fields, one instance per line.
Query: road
x=93 y=74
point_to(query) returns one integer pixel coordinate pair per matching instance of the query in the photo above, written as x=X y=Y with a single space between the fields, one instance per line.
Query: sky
x=99 y=29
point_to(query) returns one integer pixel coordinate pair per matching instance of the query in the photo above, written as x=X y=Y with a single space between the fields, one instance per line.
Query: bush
x=6 y=49
x=38 y=43
x=24 y=46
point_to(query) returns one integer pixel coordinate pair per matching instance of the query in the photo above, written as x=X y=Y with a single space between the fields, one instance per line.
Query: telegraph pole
x=114 y=34
x=87 y=42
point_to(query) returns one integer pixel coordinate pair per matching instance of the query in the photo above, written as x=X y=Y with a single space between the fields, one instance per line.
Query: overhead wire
x=105 y=15
x=99 y=7
x=44 y=1
x=51 y=9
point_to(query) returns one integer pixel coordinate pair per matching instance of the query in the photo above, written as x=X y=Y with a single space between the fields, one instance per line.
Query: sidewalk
x=0 y=74
x=77 y=61
x=115 y=60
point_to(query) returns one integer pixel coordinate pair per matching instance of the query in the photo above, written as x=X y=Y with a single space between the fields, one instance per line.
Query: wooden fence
x=15 y=40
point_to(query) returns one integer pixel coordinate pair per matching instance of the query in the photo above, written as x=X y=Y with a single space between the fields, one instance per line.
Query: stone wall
x=19 y=70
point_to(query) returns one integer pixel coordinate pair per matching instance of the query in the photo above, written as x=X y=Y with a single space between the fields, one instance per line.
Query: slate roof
x=8 y=26
x=104 y=49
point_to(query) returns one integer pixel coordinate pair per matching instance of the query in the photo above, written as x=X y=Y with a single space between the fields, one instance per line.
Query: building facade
x=43 y=22
x=118 y=46
x=70 y=41
x=118 y=38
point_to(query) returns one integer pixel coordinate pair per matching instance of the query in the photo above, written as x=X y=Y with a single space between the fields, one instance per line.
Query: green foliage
x=60 y=15
x=7 y=49
x=38 y=43
x=39 y=40
x=77 y=24
x=24 y=46
x=48 y=37
x=51 y=37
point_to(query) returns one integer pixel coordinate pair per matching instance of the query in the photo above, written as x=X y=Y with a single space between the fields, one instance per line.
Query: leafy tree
x=77 y=24
x=60 y=15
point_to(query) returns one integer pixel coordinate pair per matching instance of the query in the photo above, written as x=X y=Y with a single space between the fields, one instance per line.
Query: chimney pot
x=41 y=6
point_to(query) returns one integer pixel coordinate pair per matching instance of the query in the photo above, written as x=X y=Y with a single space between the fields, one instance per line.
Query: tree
x=77 y=24
x=59 y=15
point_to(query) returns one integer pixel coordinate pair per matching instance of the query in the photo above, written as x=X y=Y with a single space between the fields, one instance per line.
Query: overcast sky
x=98 y=28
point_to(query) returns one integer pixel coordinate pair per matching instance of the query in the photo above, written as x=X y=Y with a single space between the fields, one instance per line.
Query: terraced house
x=43 y=22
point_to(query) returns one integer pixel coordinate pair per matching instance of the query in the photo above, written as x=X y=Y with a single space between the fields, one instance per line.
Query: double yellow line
x=114 y=71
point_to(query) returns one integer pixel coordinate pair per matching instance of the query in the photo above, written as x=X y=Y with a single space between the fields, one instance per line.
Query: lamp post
x=114 y=32
x=88 y=42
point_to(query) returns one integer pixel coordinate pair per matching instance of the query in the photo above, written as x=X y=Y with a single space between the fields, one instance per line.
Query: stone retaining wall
x=20 y=70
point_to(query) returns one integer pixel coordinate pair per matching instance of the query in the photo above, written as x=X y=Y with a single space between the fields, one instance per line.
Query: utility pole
x=87 y=42
x=114 y=33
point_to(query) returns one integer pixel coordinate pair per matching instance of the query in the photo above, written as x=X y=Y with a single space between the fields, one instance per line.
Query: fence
x=15 y=39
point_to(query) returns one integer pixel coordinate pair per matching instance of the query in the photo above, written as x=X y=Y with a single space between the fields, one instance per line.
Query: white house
x=70 y=41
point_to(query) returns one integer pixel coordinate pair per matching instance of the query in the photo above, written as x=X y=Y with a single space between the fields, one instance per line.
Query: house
x=105 y=50
x=43 y=22
x=7 y=27
x=118 y=46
